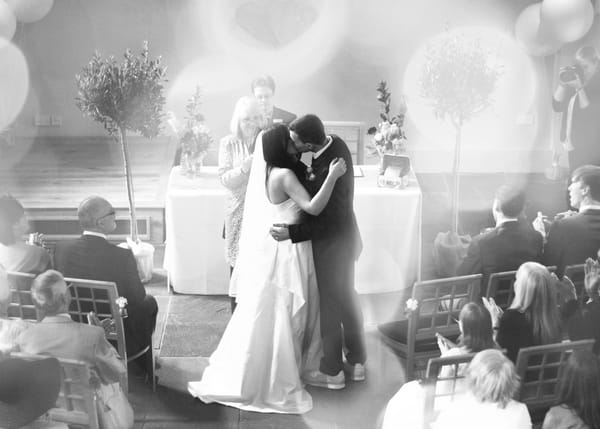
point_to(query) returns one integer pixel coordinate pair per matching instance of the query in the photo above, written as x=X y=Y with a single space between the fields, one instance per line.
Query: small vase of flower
x=389 y=141
x=194 y=137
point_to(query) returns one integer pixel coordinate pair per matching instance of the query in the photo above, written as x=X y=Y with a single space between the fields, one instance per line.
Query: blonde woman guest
x=533 y=317
x=235 y=159
x=492 y=382
x=15 y=254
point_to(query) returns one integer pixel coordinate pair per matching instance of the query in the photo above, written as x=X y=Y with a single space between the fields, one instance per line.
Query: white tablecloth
x=389 y=221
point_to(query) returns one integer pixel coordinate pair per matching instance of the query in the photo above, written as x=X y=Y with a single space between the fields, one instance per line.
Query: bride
x=273 y=336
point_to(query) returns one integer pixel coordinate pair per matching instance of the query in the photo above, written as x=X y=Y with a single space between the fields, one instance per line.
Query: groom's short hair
x=309 y=129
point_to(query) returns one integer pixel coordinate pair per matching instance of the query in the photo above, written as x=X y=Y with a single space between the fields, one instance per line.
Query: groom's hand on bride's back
x=280 y=232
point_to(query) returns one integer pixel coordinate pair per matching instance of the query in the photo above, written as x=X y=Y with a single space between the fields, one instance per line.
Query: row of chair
x=99 y=297
x=438 y=305
x=539 y=369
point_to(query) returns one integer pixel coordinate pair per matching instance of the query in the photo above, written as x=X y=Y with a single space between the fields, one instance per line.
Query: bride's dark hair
x=275 y=143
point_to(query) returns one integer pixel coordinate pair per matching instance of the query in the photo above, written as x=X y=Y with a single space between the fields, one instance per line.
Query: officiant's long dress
x=273 y=335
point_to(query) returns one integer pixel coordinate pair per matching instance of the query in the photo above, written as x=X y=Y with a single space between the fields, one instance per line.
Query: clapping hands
x=566 y=288
x=592 y=276
x=495 y=311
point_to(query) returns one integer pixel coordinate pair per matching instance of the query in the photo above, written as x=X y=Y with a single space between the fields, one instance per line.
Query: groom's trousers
x=341 y=315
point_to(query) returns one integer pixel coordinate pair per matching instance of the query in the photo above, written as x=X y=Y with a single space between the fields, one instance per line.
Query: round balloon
x=30 y=10
x=8 y=23
x=14 y=83
x=568 y=20
x=532 y=33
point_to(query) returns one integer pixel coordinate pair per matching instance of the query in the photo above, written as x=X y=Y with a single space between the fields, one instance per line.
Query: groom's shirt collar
x=319 y=153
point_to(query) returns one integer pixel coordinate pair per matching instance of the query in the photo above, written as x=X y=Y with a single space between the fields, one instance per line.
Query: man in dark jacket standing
x=336 y=245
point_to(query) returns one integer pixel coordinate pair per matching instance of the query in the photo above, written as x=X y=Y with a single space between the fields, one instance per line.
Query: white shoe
x=355 y=372
x=317 y=378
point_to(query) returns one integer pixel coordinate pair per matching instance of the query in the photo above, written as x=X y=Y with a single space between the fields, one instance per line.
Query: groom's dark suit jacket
x=337 y=221
x=336 y=245
x=93 y=258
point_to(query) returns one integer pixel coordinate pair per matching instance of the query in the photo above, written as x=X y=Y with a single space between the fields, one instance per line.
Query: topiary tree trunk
x=124 y=96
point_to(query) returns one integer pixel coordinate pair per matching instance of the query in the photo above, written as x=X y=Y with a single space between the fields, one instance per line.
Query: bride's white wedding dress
x=273 y=335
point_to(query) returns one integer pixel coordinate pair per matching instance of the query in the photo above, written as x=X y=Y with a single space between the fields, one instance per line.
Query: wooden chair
x=501 y=287
x=577 y=275
x=20 y=305
x=87 y=296
x=540 y=369
x=76 y=404
x=439 y=303
x=443 y=387
x=100 y=298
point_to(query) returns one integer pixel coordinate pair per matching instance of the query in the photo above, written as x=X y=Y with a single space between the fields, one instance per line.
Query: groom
x=336 y=245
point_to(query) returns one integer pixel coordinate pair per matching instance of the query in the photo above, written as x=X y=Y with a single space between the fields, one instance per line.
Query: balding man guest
x=93 y=257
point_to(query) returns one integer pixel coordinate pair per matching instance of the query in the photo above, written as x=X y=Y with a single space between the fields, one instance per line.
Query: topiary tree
x=122 y=97
x=458 y=79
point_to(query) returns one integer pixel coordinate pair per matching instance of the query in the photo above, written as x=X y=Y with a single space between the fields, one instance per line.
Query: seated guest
x=475 y=325
x=92 y=257
x=27 y=390
x=263 y=88
x=15 y=254
x=59 y=336
x=492 y=382
x=533 y=317
x=578 y=404
x=585 y=323
x=505 y=247
x=573 y=239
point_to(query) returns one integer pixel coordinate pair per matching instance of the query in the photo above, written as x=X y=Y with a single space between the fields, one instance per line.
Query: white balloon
x=531 y=32
x=14 y=83
x=30 y=10
x=568 y=20
x=8 y=23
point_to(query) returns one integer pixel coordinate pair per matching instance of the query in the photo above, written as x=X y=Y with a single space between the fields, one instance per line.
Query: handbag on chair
x=114 y=410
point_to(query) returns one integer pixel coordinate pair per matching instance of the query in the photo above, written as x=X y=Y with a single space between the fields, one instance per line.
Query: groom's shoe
x=319 y=379
x=355 y=372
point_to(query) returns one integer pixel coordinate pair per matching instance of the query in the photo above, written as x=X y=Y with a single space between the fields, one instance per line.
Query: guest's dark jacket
x=573 y=239
x=514 y=332
x=94 y=258
x=504 y=248
x=585 y=323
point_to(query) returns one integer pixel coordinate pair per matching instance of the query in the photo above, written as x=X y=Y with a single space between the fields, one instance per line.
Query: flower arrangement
x=194 y=137
x=388 y=136
x=412 y=304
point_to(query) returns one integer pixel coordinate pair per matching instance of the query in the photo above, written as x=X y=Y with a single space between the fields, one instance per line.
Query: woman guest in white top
x=15 y=254
x=235 y=160
x=405 y=409
x=492 y=382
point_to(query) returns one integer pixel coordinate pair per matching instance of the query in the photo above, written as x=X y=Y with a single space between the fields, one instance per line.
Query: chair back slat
x=76 y=403
x=540 y=369
x=20 y=305
x=577 y=275
x=501 y=287
x=440 y=302
x=443 y=382
x=99 y=297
